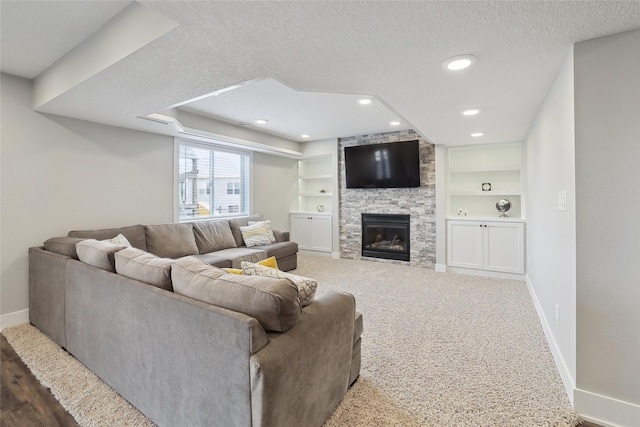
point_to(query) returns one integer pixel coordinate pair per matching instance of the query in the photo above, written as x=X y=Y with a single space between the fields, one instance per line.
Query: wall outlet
x=557 y=314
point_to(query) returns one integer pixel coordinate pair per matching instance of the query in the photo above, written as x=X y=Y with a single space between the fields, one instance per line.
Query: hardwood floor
x=23 y=400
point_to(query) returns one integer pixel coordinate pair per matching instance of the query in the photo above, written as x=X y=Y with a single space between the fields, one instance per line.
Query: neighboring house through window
x=213 y=181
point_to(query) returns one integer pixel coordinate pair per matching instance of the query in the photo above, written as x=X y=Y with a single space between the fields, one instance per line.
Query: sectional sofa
x=186 y=342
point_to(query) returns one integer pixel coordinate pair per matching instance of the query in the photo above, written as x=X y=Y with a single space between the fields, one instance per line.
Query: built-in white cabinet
x=496 y=246
x=312 y=232
x=481 y=175
x=315 y=184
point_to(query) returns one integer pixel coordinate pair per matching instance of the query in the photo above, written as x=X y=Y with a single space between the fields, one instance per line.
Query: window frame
x=220 y=146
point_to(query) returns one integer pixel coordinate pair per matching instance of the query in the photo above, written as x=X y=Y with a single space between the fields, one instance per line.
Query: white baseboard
x=606 y=411
x=485 y=273
x=441 y=268
x=565 y=373
x=13 y=319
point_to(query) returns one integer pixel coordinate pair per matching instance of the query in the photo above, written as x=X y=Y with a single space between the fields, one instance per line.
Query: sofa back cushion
x=272 y=302
x=145 y=267
x=213 y=236
x=98 y=253
x=134 y=234
x=171 y=240
x=236 y=223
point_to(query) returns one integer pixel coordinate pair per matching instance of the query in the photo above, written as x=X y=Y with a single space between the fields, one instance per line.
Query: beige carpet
x=438 y=350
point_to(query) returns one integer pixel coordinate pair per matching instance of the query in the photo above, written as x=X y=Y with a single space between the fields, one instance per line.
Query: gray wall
x=59 y=174
x=551 y=233
x=607 y=120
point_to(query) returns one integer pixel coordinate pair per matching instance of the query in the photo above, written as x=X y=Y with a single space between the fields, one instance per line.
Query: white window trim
x=222 y=146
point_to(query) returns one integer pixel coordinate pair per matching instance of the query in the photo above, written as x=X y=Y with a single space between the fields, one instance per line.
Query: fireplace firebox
x=386 y=236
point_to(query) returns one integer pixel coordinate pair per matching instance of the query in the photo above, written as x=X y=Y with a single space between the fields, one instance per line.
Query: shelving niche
x=315 y=181
x=470 y=167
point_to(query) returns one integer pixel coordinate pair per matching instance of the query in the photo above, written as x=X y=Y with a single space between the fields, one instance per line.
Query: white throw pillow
x=119 y=240
x=256 y=235
x=306 y=286
x=266 y=223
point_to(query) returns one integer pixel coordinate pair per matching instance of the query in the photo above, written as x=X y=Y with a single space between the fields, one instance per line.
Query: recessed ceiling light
x=459 y=62
x=305 y=135
x=470 y=112
x=262 y=121
x=364 y=101
x=245 y=124
x=477 y=134
x=395 y=123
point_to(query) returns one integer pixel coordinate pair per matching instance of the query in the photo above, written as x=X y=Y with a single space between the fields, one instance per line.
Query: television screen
x=388 y=165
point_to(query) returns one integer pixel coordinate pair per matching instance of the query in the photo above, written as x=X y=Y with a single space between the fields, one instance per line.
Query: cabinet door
x=320 y=233
x=465 y=245
x=504 y=247
x=300 y=230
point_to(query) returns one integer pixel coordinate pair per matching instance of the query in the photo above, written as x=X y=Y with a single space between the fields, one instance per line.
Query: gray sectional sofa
x=186 y=342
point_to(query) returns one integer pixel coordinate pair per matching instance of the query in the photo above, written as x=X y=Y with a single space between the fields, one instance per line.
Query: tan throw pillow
x=306 y=286
x=213 y=236
x=272 y=302
x=145 y=267
x=256 y=234
x=98 y=253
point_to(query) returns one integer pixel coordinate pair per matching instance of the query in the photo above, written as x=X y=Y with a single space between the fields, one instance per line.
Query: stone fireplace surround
x=419 y=203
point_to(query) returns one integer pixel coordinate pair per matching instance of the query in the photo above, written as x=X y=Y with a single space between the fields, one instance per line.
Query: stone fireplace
x=417 y=203
x=386 y=236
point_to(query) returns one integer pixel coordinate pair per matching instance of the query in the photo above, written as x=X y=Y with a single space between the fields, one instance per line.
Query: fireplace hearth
x=386 y=236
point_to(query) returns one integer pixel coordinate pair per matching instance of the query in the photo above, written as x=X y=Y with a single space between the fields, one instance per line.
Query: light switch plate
x=562 y=200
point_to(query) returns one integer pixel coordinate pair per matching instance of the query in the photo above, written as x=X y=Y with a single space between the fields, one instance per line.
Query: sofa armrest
x=281 y=236
x=47 y=278
x=302 y=375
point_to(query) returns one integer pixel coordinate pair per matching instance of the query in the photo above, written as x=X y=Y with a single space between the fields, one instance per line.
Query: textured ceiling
x=389 y=50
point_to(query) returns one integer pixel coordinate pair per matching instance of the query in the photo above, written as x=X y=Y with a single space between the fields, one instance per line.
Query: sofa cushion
x=215 y=260
x=134 y=234
x=236 y=223
x=280 y=249
x=306 y=286
x=237 y=255
x=171 y=240
x=145 y=267
x=63 y=245
x=272 y=302
x=213 y=235
x=98 y=253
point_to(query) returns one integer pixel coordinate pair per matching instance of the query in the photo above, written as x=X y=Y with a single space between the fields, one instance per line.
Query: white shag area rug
x=438 y=349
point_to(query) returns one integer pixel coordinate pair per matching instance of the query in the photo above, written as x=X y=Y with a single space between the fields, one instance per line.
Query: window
x=233 y=188
x=213 y=181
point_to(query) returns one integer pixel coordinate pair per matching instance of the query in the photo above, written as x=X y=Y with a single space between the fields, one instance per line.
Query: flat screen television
x=388 y=165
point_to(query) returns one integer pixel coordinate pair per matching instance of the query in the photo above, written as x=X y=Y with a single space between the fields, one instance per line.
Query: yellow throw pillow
x=269 y=262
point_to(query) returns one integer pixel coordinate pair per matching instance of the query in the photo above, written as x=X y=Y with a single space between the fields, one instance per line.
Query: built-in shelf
x=315 y=184
x=472 y=166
